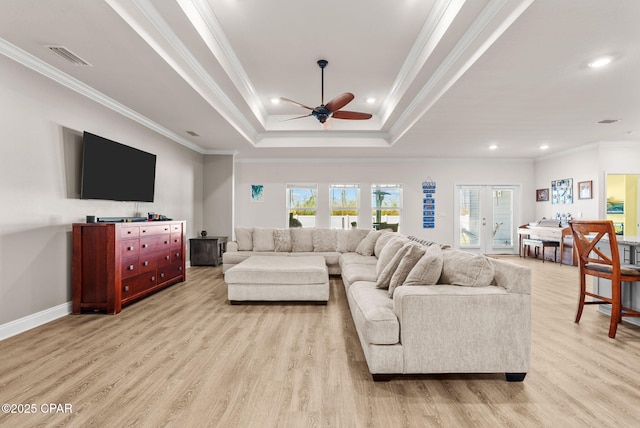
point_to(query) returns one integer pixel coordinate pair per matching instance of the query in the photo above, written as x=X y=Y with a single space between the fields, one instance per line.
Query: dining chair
x=598 y=256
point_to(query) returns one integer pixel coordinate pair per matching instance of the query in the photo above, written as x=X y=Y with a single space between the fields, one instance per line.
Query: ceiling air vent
x=193 y=133
x=68 y=55
x=608 y=121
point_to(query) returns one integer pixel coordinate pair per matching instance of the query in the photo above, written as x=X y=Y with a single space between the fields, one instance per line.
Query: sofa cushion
x=324 y=240
x=263 y=239
x=411 y=257
x=358 y=272
x=301 y=239
x=348 y=240
x=464 y=268
x=349 y=258
x=244 y=238
x=282 y=240
x=388 y=252
x=384 y=277
x=428 y=269
x=382 y=241
x=366 y=246
x=373 y=314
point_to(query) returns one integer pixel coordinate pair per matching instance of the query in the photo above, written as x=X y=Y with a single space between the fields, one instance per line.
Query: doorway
x=485 y=219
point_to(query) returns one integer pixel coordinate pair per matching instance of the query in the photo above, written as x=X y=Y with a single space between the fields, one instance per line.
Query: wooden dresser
x=116 y=263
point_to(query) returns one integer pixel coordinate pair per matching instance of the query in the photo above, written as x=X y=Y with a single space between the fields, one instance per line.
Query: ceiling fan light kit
x=332 y=109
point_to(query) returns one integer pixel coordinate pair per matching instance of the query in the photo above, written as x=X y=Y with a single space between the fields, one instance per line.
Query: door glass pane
x=469 y=217
x=502 y=217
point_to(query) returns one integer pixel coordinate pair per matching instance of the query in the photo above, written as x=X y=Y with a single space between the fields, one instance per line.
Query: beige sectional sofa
x=418 y=307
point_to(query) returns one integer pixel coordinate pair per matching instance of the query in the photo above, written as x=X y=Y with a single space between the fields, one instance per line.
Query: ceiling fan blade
x=296 y=103
x=351 y=115
x=298 y=117
x=340 y=101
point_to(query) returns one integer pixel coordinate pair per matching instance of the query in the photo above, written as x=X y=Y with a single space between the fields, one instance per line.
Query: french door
x=485 y=218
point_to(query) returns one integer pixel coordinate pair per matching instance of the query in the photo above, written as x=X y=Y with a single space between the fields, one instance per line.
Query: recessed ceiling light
x=275 y=100
x=600 y=62
x=493 y=147
x=544 y=147
x=371 y=100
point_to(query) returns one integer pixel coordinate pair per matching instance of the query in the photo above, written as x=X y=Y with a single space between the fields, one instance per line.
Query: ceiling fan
x=332 y=109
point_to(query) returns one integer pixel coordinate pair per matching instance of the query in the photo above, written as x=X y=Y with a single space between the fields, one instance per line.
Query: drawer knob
x=126 y=288
x=153 y=278
x=145 y=263
x=130 y=248
x=166 y=242
x=162 y=275
x=131 y=267
x=145 y=245
x=180 y=268
x=167 y=257
x=177 y=254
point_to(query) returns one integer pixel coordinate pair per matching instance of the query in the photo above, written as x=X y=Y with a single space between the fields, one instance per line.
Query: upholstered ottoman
x=278 y=278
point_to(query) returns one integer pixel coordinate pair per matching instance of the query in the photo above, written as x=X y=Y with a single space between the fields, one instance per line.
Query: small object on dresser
x=203 y=233
x=91 y=219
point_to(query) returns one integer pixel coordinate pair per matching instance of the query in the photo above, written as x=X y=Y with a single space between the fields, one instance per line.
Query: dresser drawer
x=138 y=285
x=176 y=240
x=129 y=248
x=169 y=272
x=154 y=243
x=130 y=267
x=129 y=232
x=155 y=229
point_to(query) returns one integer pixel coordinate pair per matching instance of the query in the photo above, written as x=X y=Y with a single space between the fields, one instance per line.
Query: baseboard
x=34 y=320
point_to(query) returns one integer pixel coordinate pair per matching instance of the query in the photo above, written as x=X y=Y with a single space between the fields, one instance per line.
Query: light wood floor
x=185 y=357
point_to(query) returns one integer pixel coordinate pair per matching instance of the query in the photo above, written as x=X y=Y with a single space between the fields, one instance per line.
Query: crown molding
x=26 y=59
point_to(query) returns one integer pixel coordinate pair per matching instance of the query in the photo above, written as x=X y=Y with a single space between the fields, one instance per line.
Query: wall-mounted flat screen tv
x=116 y=172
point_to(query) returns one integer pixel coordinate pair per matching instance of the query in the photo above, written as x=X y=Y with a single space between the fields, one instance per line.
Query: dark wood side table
x=207 y=251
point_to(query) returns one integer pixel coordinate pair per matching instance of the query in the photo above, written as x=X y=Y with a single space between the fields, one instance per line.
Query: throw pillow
x=324 y=240
x=301 y=240
x=382 y=241
x=366 y=246
x=348 y=240
x=244 y=238
x=428 y=269
x=384 y=278
x=388 y=252
x=282 y=240
x=468 y=269
x=263 y=239
x=411 y=257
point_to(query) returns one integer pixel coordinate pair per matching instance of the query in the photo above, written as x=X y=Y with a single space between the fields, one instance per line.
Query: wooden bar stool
x=596 y=262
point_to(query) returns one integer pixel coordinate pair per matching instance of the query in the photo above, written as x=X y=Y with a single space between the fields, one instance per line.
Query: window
x=344 y=200
x=302 y=204
x=386 y=201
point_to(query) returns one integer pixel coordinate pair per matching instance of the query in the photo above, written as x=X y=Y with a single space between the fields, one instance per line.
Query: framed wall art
x=542 y=195
x=584 y=189
x=257 y=193
x=562 y=191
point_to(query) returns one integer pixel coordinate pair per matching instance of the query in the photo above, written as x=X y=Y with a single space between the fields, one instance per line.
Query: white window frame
x=375 y=207
x=307 y=219
x=348 y=219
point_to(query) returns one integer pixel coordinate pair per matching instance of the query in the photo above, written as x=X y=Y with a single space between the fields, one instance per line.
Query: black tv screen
x=116 y=172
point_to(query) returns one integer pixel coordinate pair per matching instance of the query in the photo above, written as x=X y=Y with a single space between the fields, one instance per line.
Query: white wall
x=218 y=195
x=590 y=163
x=447 y=173
x=41 y=124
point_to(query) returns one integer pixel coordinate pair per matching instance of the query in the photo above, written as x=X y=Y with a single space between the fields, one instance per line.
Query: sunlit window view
x=386 y=203
x=302 y=204
x=344 y=201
